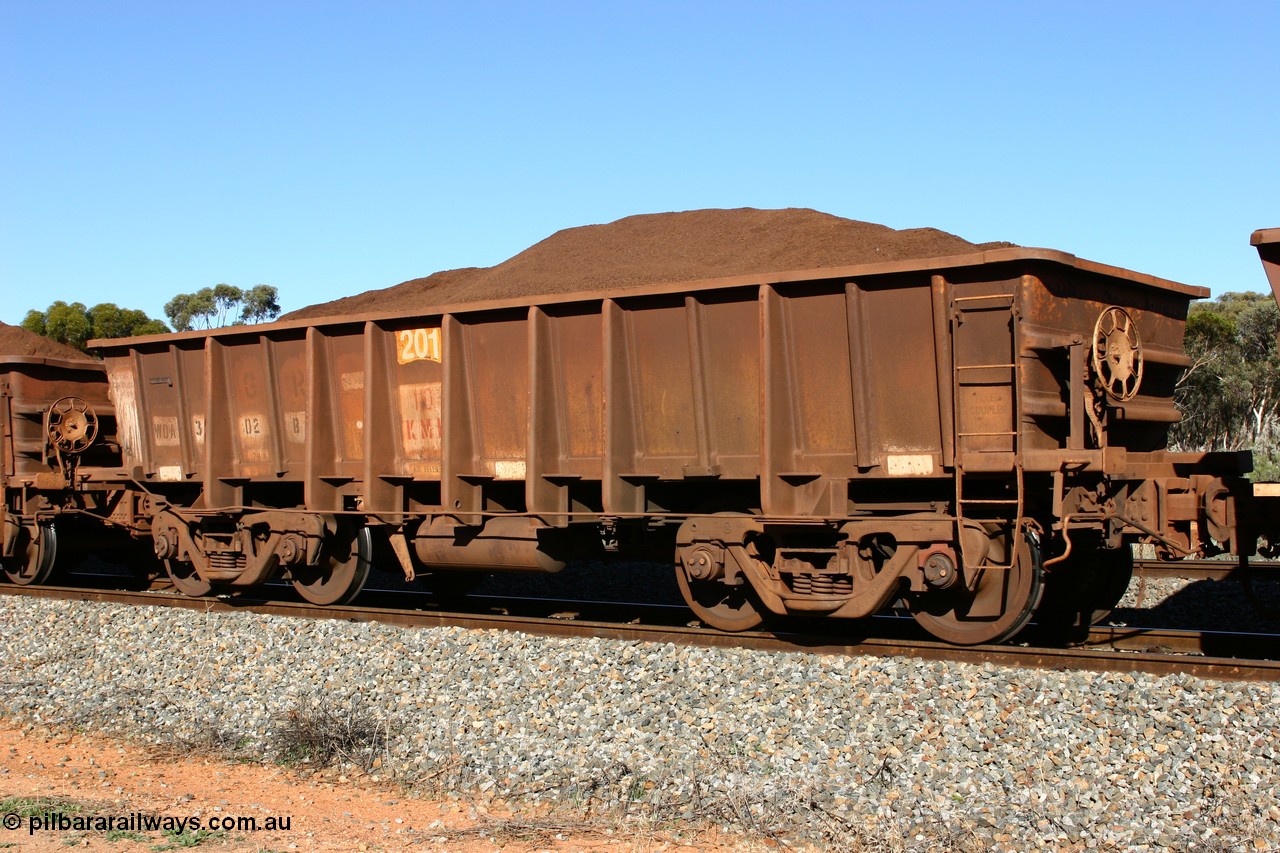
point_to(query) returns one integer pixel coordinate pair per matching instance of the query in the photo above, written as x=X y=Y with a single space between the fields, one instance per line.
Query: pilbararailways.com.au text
x=141 y=822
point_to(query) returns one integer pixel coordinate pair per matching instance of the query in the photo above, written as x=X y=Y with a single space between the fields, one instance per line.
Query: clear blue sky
x=153 y=148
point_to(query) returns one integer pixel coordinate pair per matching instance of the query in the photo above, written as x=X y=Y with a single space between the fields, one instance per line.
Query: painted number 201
x=417 y=345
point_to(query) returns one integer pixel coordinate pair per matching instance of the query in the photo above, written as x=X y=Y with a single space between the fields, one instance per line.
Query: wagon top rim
x=86 y=363
x=856 y=271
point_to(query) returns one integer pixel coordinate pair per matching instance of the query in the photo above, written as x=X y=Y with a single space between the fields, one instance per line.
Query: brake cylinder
x=502 y=544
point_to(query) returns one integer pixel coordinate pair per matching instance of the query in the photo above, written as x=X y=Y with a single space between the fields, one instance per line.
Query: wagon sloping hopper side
x=960 y=433
x=1267 y=242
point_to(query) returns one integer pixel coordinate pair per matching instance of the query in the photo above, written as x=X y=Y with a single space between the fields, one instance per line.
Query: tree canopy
x=73 y=324
x=1230 y=396
x=222 y=305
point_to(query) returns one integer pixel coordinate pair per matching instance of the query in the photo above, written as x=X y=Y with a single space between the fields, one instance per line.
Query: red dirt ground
x=89 y=776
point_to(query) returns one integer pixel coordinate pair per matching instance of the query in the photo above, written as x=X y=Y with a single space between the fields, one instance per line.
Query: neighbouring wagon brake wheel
x=989 y=609
x=33 y=556
x=343 y=569
x=73 y=425
x=1117 y=354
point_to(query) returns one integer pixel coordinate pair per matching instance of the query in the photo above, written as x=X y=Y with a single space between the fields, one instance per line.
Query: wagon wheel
x=344 y=566
x=1117 y=354
x=73 y=425
x=141 y=555
x=1000 y=604
x=185 y=578
x=728 y=608
x=33 y=556
x=1083 y=590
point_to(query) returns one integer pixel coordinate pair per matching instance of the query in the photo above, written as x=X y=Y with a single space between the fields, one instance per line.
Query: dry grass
x=317 y=733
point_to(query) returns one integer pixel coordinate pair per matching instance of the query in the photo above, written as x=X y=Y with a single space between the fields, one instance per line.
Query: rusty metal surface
x=1267 y=242
x=31 y=386
x=1204 y=569
x=935 y=407
x=1185 y=642
x=548 y=408
x=879 y=431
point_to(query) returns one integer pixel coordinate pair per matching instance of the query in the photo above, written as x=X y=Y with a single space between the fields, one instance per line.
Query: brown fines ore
x=662 y=247
x=15 y=340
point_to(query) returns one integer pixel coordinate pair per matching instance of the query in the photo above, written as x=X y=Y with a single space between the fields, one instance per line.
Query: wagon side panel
x=566 y=413
x=418 y=389
x=899 y=387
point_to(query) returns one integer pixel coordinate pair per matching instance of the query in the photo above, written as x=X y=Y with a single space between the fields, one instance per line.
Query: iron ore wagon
x=975 y=436
x=57 y=457
x=978 y=437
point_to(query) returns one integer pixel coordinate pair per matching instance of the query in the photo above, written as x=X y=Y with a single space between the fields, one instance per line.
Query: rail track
x=1203 y=569
x=1205 y=654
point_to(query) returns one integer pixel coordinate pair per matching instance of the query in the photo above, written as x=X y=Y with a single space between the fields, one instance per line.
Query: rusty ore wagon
x=974 y=437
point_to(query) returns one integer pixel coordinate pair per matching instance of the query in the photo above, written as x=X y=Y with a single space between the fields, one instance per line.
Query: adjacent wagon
x=57 y=450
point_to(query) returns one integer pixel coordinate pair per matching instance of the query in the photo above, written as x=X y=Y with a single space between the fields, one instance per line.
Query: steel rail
x=1204 y=569
x=1108 y=649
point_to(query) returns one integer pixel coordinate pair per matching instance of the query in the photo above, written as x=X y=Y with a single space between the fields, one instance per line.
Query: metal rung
x=961 y=305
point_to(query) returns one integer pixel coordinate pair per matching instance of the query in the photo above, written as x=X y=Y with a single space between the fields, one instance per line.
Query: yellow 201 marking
x=418 y=345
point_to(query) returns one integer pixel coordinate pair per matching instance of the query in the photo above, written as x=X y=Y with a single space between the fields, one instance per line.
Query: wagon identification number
x=166 y=430
x=417 y=345
x=295 y=426
x=255 y=430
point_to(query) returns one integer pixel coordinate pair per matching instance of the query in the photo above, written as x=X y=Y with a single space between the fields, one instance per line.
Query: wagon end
x=1267 y=242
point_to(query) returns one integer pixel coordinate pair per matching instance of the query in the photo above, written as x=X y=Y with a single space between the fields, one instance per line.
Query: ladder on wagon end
x=975 y=427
